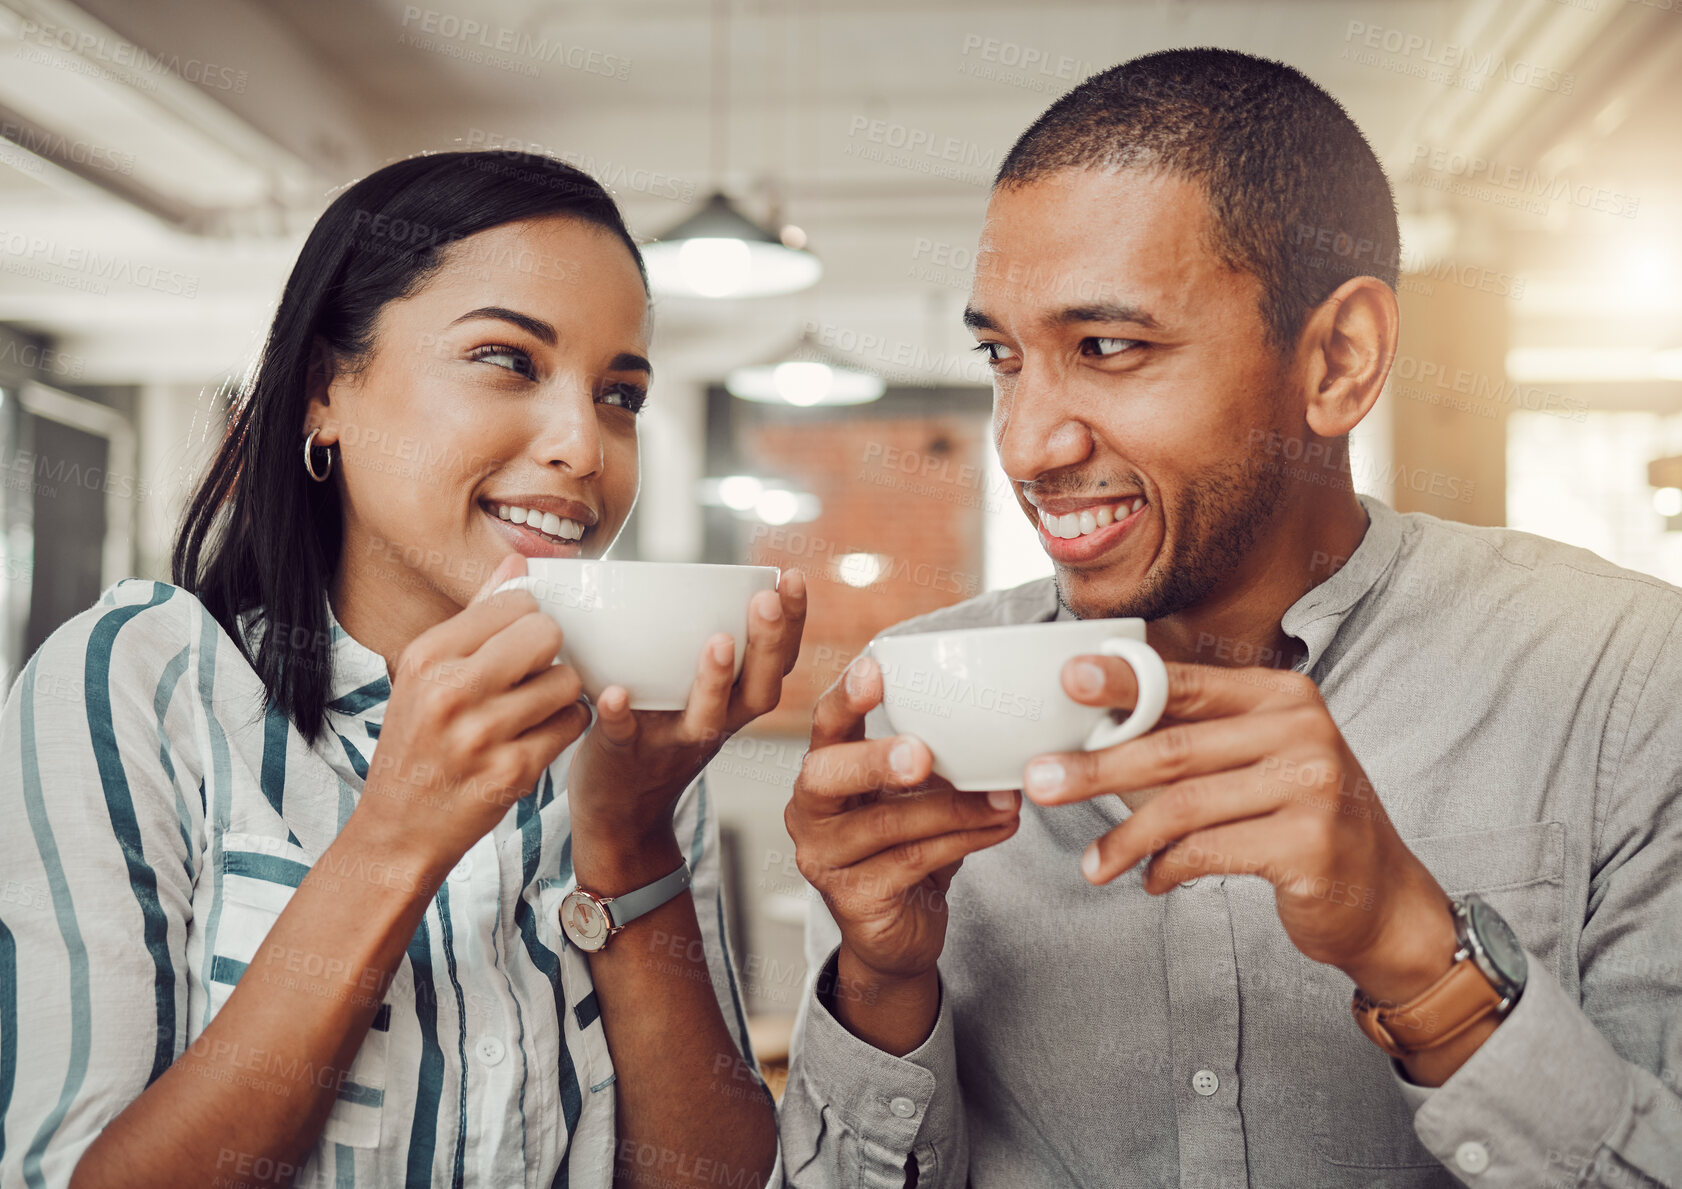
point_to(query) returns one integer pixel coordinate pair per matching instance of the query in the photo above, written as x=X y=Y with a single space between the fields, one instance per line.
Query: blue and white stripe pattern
x=157 y=816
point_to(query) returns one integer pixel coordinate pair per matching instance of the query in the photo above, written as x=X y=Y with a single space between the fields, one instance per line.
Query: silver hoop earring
x=309 y=462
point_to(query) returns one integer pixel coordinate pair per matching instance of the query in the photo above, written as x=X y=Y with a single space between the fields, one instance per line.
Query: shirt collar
x=1315 y=618
x=360 y=684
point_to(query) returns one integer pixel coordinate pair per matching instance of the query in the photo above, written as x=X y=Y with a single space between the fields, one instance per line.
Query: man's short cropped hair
x=1298 y=197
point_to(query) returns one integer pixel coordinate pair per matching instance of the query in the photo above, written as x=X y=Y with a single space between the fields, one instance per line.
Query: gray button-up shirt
x=1517 y=704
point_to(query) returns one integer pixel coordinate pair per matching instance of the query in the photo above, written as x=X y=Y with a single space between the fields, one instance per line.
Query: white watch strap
x=622 y=910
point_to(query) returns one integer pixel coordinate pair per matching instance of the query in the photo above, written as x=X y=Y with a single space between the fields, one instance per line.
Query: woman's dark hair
x=259 y=533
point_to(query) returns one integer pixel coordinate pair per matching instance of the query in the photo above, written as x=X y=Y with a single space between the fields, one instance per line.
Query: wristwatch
x=1487 y=977
x=590 y=921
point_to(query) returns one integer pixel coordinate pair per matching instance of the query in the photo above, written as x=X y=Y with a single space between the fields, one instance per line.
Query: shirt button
x=903 y=1107
x=1205 y=1082
x=1189 y=883
x=490 y=1050
x=1471 y=1157
x=462 y=871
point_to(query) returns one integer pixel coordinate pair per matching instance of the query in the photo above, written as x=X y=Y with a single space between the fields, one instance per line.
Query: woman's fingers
x=517 y=710
x=771 y=637
x=709 y=697
x=614 y=717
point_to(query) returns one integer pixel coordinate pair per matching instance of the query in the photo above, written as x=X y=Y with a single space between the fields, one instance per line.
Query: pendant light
x=806 y=376
x=718 y=252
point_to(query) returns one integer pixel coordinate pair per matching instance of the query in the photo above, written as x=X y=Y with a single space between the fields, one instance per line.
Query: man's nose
x=1036 y=427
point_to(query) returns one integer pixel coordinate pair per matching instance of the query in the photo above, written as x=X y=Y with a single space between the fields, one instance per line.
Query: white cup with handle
x=987 y=700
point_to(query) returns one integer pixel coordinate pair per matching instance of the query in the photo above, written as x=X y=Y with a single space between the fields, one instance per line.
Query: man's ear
x=1347 y=346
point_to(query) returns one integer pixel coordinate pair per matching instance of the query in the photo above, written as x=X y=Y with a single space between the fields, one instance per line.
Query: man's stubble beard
x=1219 y=517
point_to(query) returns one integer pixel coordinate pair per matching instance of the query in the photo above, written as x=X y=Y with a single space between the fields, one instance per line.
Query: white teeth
x=544 y=522
x=1088 y=520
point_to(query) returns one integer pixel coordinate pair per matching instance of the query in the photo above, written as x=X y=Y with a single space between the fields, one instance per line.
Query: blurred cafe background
x=815 y=173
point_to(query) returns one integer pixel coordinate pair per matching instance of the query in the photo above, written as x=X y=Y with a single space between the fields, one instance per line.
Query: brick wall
x=908 y=489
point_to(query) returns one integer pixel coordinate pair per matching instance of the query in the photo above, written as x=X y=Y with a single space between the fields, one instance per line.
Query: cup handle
x=1152 y=676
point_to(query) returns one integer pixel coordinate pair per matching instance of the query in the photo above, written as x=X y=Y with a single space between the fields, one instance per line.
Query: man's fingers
x=1256 y=846
x=895 y=871
x=839 y=715
x=831 y=774
x=870 y=829
x=1182 y=809
x=1194 y=691
x=1169 y=753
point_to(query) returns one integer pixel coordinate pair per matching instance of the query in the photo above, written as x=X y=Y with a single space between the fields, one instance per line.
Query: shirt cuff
x=1535 y=1103
x=894 y=1105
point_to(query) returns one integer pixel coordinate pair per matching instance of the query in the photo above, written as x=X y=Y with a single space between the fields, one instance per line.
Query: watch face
x=584 y=921
x=1500 y=944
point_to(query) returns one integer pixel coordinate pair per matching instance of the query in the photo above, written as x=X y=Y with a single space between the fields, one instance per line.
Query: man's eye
x=995 y=352
x=510 y=358
x=1107 y=347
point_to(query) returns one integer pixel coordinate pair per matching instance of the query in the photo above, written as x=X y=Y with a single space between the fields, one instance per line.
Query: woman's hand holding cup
x=633 y=765
x=478 y=710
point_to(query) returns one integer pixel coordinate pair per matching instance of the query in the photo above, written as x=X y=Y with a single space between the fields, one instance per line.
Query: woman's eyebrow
x=625 y=361
x=534 y=326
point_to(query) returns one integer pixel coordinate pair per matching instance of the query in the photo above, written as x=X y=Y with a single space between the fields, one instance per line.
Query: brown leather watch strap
x=1445 y=1009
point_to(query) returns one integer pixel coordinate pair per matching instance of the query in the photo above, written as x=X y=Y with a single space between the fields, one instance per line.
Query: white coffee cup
x=987 y=700
x=642 y=624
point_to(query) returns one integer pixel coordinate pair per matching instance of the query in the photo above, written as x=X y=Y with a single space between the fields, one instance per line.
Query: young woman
x=297 y=828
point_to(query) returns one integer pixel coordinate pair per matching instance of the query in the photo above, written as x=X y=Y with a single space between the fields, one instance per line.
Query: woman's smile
x=541 y=526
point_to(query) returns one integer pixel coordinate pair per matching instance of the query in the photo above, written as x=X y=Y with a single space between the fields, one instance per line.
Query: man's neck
x=1238 y=624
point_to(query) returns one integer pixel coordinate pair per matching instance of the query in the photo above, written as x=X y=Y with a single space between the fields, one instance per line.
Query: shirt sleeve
x=98 y=790
x=1581 y=1090
x=853 y=1115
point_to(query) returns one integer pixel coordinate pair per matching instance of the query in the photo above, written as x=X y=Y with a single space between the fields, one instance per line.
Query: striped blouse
x=156 y=814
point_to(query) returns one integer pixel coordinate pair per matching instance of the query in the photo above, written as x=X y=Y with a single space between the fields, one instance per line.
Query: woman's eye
x=1106 y=347
x=995 y=352
x=510 y=358
x=625 y=396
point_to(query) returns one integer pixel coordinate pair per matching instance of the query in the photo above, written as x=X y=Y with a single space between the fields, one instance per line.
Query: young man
x=1186 y=285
